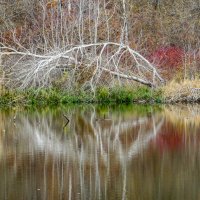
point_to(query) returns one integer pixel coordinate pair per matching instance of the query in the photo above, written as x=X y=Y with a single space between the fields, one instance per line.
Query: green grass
x=53 y=96
x=128 y=95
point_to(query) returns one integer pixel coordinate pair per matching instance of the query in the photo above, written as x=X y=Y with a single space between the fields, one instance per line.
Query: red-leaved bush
x=173 y=59
x=170 y=57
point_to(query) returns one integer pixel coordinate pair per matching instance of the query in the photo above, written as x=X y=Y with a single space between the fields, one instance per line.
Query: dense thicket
x=165 y=33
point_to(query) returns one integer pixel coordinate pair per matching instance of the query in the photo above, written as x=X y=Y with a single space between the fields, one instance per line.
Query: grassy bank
x=174 y=91
x=182 y=91
x=53 y=96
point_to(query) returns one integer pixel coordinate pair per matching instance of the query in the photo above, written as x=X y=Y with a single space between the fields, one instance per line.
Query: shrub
x=168 y=57
x=103 y=94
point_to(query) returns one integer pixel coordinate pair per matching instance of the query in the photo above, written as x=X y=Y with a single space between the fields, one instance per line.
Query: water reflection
x=124 y=152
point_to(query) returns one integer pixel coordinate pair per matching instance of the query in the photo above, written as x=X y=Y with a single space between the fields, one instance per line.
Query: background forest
x=89 y=44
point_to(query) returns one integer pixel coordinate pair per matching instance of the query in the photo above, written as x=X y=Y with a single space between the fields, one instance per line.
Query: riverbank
x=53 y=43
x=54 y=96
x=184 y=91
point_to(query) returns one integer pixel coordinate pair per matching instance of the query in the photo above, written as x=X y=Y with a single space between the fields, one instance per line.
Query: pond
x=104 y=152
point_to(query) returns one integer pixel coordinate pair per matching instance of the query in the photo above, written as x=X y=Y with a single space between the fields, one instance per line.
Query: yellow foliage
x=185 y=90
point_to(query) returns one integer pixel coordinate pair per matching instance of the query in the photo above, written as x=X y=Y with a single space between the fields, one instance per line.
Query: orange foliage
x=12 y=34
x=54 y=3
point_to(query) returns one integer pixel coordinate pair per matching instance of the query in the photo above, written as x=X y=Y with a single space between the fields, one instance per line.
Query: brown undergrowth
x=182 y=91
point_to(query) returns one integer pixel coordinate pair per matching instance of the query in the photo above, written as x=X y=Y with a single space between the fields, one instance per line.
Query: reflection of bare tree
x=101 y=154
x=183 y=115
x=82 y=158
x=89 y=133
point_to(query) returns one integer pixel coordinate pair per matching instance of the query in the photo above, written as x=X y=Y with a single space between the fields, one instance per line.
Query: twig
x=66 y=119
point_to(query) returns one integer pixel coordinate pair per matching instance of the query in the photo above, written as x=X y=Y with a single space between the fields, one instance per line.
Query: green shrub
x=7 y=98
x=103 y=94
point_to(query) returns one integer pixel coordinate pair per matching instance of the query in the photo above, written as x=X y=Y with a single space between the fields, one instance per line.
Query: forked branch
x=87 y=64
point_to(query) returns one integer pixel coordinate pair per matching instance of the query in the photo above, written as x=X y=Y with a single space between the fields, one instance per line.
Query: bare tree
x=90 y=65
x=75 y=37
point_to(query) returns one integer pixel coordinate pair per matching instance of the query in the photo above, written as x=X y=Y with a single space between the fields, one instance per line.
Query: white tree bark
x=28 y=69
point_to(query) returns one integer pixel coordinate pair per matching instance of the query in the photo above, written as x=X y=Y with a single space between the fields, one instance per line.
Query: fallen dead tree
x=62 y=48
x=86 y=65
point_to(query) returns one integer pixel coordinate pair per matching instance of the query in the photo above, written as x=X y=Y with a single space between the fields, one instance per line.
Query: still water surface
x=104 y=152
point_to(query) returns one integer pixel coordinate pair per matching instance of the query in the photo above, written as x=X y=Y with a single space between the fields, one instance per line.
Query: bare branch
x=29 y=69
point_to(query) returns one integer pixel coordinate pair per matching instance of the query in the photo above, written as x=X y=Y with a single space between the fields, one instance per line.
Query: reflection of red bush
x=170 y=138
x=168 y=57
x=169 y=141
